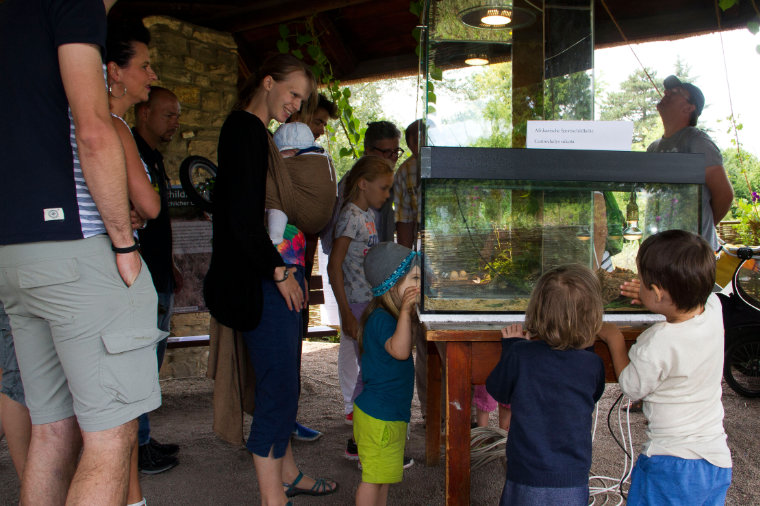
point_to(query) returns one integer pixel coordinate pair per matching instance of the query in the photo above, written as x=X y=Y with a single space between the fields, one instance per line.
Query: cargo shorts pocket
x=129 y=371
x=48 y=273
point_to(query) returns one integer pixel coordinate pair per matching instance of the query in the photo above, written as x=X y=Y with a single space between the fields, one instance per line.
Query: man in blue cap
x=679 y=110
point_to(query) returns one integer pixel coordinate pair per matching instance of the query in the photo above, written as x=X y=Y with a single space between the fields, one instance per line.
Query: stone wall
x=201 y=67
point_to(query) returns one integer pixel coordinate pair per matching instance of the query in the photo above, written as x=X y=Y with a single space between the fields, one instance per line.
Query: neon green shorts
x=381 y=447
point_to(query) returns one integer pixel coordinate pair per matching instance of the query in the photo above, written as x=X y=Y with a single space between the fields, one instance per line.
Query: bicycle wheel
x=741 y=366
x=197 y=175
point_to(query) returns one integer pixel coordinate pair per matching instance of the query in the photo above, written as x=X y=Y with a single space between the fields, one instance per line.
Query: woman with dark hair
x=129 y=77
x=253 y=286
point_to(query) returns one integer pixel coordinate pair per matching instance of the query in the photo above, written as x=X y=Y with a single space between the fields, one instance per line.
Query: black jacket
x=242 y=253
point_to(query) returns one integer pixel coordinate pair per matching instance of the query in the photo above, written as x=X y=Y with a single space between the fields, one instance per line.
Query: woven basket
x=727 y=231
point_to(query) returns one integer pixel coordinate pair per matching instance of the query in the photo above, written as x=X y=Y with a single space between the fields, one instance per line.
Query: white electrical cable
x=611 y=488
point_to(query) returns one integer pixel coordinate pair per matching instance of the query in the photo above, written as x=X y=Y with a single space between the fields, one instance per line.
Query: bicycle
x=741 y=320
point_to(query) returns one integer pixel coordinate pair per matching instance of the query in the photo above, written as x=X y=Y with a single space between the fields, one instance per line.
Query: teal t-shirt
x=388 y=383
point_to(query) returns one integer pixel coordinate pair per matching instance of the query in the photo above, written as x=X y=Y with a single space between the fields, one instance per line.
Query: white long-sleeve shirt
x=676 y=368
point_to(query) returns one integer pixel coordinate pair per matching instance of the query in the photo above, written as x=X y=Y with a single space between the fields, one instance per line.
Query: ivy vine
x=301 y=44
x=418 y=8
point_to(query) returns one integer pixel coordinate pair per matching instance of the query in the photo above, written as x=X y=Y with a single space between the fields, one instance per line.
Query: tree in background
x=568 y=97
x=495 y=82
x=737 y=163
x=366 y=103
x=637 y=102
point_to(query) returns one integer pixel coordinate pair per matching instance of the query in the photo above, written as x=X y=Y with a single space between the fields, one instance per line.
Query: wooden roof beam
x=282 y=12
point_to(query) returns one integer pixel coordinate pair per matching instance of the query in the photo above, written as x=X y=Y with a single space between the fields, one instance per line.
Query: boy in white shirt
x=676 y=367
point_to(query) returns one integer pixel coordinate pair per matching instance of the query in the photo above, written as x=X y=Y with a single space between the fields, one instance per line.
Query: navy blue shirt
x=388 y=382
x=156 y=237
x=552 y=393
x=42 y=199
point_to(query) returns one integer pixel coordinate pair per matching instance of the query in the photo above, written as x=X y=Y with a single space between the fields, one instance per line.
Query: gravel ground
x=213 y=472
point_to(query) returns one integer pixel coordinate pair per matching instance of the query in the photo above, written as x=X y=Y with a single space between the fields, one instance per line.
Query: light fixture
x=497 y=17
x=632 y=232
x=476 y=60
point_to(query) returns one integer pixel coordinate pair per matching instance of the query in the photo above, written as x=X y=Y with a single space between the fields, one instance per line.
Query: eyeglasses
x=390 y=153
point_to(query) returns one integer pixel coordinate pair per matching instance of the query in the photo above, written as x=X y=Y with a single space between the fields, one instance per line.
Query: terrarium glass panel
x=486 y=242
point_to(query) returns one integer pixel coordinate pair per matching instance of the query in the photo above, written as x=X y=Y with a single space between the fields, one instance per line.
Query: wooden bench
x=316 y=298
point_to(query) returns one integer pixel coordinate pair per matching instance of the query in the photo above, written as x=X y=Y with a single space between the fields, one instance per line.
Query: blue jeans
x=518 y=494
x=165 y=309
x=274 y=347
x=11 y=381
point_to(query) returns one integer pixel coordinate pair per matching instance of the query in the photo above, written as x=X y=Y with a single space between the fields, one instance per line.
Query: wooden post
x=527 y=75
x=458 y=400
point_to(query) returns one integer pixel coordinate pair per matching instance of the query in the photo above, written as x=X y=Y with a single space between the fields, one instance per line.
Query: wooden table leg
x=458 y=399
x=433 y=408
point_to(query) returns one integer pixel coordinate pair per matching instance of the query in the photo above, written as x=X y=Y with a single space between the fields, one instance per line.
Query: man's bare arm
x=721 y=190
x=100 y=151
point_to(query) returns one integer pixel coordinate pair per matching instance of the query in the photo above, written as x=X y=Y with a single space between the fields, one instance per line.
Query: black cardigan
x=242 y=252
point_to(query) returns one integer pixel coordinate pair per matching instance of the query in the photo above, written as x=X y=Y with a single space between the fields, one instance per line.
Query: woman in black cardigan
x=255 y=287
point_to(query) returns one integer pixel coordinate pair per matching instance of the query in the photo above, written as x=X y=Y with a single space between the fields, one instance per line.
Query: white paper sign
x=602 y=135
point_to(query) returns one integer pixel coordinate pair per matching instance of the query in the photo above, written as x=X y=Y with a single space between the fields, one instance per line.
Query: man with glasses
x=382 y=139
x=679 y=110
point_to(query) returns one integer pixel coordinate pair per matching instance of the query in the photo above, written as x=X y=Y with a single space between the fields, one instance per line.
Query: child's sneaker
x=303 y=433
x=352 y=452
x=350 y=418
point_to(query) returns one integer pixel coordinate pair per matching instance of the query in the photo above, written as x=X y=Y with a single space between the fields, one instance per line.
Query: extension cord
x=612 y=488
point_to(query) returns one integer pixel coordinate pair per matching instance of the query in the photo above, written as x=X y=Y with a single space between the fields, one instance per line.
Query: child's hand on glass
x=513 y=330
x=631 y=289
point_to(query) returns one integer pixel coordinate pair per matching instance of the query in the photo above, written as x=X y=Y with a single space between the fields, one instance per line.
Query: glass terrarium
x=494 y=220
x=490 y=66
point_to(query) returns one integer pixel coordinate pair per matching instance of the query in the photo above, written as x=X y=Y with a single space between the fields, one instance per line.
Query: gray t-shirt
x=694 y=140
x=360 y=227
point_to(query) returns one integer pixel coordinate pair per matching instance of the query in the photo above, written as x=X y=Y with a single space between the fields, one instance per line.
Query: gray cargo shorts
x=85 y=342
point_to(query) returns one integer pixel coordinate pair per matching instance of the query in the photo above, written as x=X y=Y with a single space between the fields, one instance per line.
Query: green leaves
x=726 y=4
x=436 y=73
x=753 y=26
x=415 y=8
x=283 y=46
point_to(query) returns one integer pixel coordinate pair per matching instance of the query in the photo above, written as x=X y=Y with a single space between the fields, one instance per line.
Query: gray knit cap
x=385 y=264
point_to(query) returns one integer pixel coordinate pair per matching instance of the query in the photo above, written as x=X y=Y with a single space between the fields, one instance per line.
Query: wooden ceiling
x=366 y=39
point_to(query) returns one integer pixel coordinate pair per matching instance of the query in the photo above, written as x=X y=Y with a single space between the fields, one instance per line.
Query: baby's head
x=290 y=138
x=681 y=263
x=565 y=308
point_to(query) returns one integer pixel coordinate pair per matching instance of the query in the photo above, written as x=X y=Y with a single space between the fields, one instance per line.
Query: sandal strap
x=292 y=486
x=321 y=485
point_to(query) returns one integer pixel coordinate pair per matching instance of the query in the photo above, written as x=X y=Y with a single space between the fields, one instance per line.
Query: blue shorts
x=10 y=384
x=665 y=480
